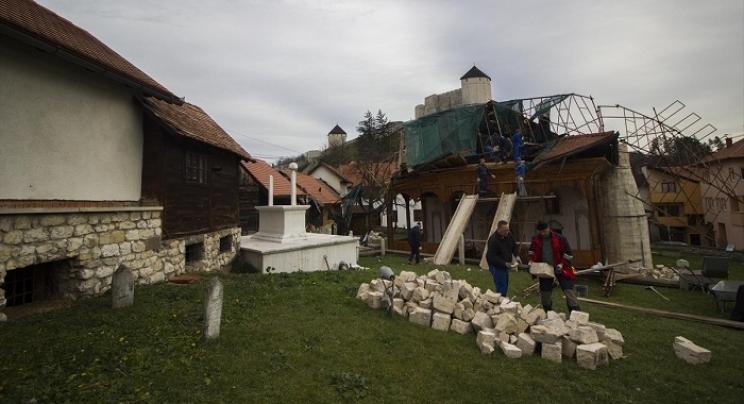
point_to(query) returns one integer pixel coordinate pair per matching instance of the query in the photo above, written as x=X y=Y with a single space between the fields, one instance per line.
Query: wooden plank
x=503 y=212
x=456 y=226
x=670 y=314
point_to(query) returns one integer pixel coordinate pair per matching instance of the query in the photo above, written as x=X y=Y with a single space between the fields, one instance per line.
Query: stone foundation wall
x=92 y=245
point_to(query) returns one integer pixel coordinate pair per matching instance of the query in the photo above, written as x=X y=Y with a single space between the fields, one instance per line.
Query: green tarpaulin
x=434 y=136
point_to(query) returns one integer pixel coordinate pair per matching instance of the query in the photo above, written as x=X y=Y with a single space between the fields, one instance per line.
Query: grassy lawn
x=303 y=337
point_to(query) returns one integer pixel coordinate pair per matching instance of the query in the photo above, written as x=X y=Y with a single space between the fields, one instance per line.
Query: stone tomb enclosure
x=437 y=301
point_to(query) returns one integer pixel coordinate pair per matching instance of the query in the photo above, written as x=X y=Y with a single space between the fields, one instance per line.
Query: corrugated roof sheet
x=261 y=170
x=191 y=121
x=318 y=190
x=31 y=19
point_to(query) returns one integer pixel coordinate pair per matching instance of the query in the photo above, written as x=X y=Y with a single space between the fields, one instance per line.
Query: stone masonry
x=95 y=243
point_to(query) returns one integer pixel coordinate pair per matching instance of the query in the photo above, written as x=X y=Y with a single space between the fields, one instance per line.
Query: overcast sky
x=278 y=75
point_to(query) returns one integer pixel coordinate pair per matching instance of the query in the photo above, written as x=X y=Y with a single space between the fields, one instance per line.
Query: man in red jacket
x=552 y=248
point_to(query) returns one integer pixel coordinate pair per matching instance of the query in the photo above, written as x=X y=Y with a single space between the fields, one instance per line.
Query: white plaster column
x=293 y=167
x=271 y=190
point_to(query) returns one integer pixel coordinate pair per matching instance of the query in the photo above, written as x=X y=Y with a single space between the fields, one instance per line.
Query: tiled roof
x=473 y=73
x=573 y=144
x=44 y=27
x=191 y=121
x=736 y=150
x=318 y=190
x=337 y=131
x=261 y=170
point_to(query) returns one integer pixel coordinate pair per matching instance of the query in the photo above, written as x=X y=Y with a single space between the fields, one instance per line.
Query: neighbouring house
x=331 y=176
x=581 y=184
x=324 y=203
x=254 y=191
x=101 y=167
x=677 y=208
x=724 y=170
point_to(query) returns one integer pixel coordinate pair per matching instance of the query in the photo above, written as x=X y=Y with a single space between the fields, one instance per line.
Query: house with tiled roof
x=102 y=167
x=724 y=169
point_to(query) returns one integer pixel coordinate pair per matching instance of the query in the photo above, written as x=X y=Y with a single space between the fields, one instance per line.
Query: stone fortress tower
x=475 y=88
x=336 y=137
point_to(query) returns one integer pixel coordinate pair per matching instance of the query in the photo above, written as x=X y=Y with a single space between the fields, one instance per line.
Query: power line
x=263 y=141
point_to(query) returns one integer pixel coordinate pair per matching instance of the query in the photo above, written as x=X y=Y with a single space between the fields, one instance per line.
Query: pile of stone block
x=437 y=301
x=660 y=272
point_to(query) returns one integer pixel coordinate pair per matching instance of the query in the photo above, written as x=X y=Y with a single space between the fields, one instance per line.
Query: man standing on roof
x=552 y=248
x=517 y=145
x=502 y=255
x=481 y=177
x=414 y=241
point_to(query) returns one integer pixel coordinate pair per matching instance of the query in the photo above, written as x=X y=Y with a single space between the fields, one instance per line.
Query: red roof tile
x=261 y=170
x=736 y=150
x=41 y=24
x=569 y=145
x=191 y=121
x=318 y=190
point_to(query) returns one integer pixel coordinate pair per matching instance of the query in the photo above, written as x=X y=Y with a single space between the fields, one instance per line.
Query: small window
x=196 y=168
x=194 y=253
x=668 y=187
x=226 y=244
x=31 y=284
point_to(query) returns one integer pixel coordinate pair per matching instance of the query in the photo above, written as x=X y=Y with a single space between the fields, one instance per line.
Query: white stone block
x=485 y=341
x=552 y=352
x=444 y=304
x=420 y=316
x=590 y=356
x=362 y=291
x=511 y=351
x=461 y=327
x=374 y=299
x=689 y=352
x=480 y=321
x=583 y=335
x=441 y=321
x=580 y=317
x=526 y=344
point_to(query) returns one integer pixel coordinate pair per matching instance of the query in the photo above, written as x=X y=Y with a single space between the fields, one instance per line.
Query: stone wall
x=93 y=244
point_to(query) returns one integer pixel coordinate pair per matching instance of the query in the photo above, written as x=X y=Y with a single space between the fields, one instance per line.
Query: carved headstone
x=213 y=308
x=122 y=288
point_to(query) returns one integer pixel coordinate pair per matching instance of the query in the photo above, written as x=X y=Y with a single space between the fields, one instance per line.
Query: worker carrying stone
x=502 y=255
x=481 y=177
x=552 y=248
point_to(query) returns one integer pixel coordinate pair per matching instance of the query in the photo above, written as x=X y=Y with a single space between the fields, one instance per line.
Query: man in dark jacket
x=414 y=240
x=552 y=248
x=502 y=250
x=481 y=177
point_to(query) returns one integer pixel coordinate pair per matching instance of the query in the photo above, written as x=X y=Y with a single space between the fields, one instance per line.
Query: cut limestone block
x=463 y=312
x=598 y=328
x=451 y=291
x=466 y=291
x=492 y=296
x=411 y=307
x=444 y=304
x=506 y=323
x=420 y=316
x=615 y=350
x=406 y=291
x=513 y=339
x=534 y=316
x=510 y=350
x=485 y=341
x=526 y=344
x=405 y=277
x=510 y=307
x=522 y=326
x=580 y=317
x=552 y=315
x=614 y=336
x=441 y=321
x=552 y=352
x=432 y=274
x=557 y=324
x=481 y=321
x=572 y=325
x=362 y=291
x=689 y=352
x=443 y=277
x=590 y=356
x=374 y=299
x=433 y=286
x=420 y=294
x=568 y=347
x=461 y=327
x=544 y=334
x=542 y=270
x=377 y=285
x=425 y=303
x=583 y=335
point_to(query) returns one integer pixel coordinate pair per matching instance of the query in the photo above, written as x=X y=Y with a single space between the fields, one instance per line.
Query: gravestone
x=213 y=308
x=122 y=288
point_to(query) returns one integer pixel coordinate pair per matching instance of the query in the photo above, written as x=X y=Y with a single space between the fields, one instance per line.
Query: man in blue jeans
x=501 y=252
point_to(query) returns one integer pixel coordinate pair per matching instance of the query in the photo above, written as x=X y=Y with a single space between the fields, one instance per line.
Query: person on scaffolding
x=552 y=248
x=481 y=177
x=502 y=255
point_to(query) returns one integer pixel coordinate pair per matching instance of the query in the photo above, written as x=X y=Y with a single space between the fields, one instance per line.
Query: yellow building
x=677 y=206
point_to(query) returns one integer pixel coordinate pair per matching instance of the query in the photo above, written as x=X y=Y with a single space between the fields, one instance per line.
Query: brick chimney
x=729 y=142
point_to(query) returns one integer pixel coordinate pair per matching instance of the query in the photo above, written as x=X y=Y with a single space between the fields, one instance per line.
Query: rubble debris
x=437 y=301
x=689 y=352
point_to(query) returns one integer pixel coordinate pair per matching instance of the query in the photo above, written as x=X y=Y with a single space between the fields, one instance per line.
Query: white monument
x=282 y=245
